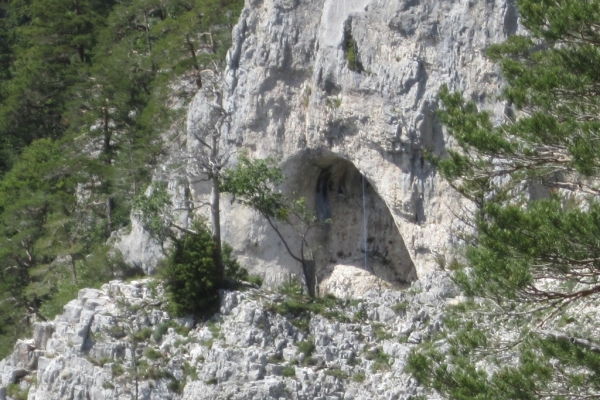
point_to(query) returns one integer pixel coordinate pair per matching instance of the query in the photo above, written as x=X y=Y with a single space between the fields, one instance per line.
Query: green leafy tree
x=253 y=184
x=532 y=268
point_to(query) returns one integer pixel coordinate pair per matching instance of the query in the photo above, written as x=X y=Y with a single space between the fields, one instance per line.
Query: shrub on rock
x=191 y=275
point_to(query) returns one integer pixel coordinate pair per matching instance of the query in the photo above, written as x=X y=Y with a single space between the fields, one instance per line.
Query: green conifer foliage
x=532 y=269
x=190 y=273
x=92 y=76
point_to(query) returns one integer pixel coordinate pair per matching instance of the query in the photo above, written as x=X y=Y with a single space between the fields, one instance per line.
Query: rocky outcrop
x=319 y=83
x=118 y=342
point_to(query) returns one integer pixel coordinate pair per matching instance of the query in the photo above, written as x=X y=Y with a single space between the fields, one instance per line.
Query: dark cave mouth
x=356 y=222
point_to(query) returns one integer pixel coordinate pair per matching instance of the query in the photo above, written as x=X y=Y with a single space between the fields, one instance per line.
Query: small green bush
x=117 y=369
x=381 y=360
x=289 y=371
x=142 y=335
x=400 y=306
x=255 y=280
x=13 y=390
x=306 y=347
x=337 y=373
x=163 y=327
x=190 y=274
x=152 y=354
x=359 y=377
x=233 y=269
x=190 y=370
x=176 y=386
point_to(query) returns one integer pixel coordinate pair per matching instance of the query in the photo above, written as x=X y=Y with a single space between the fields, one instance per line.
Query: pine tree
x=50 y=54
x=532 y=267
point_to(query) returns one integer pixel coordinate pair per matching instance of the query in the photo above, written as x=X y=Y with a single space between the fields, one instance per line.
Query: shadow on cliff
x=357 y=229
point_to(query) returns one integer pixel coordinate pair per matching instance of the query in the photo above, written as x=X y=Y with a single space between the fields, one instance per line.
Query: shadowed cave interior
x=335 y=187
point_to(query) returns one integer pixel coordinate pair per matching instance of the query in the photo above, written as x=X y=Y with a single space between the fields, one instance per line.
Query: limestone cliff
x=119 y=343
x=345 y=93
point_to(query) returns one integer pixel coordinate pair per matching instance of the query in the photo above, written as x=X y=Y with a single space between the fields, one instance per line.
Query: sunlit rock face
x=351 y=85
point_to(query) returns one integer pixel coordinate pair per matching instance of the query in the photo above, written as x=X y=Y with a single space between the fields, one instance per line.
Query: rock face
x=119 y=343
x=351 y=86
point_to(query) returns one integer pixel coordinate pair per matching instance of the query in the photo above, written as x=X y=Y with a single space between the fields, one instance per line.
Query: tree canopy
x=531 y=269
x=86 y=88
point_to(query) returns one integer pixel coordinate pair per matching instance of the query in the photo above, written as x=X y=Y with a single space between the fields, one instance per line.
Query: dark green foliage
x=152 y=354
x=306 y=347
x=352 y=61
x=252 y=182
x=299 y=307
x=15 y=392
x=190 y=274
x=176 y=386
x=163 y=327
x=359 y=377
x=337 y=373
x=531 y=267
x=289 y=372
x=381 y=361
x=85 y=88
x=154 y=211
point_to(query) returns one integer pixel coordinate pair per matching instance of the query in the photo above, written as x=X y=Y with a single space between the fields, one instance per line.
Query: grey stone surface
x=291 y=94
x=122 y=342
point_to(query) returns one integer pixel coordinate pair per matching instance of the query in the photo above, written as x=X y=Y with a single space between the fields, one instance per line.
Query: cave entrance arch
x=334 y=187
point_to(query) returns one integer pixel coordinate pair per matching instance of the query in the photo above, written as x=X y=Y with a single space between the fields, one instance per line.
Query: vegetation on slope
x=529 y=330
x=85 y=88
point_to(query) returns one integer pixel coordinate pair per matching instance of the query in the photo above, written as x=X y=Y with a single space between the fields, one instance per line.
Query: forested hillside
x=86 y=89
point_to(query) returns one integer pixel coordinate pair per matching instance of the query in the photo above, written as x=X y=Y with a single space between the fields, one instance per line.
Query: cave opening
x=356 y=227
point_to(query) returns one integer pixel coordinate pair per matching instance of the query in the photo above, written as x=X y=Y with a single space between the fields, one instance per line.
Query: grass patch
x=255 y=280
x=142 y=335
x=380 y=332
x=401 y=306
x=190 y=370
x=117 y=369
x=360 y=315
x=214 y=328
x=162 y=329
x=116 y=331
x=152 y=354
x=381 y=360
x=289 y=371
x=153 y=287
x=359 y=377
x=298 y=307
x=99 y=362
x=146 y=372
x=306 y=347
x=337 y=373
x=176 y=386
x=275 y=358
x=14 y=390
